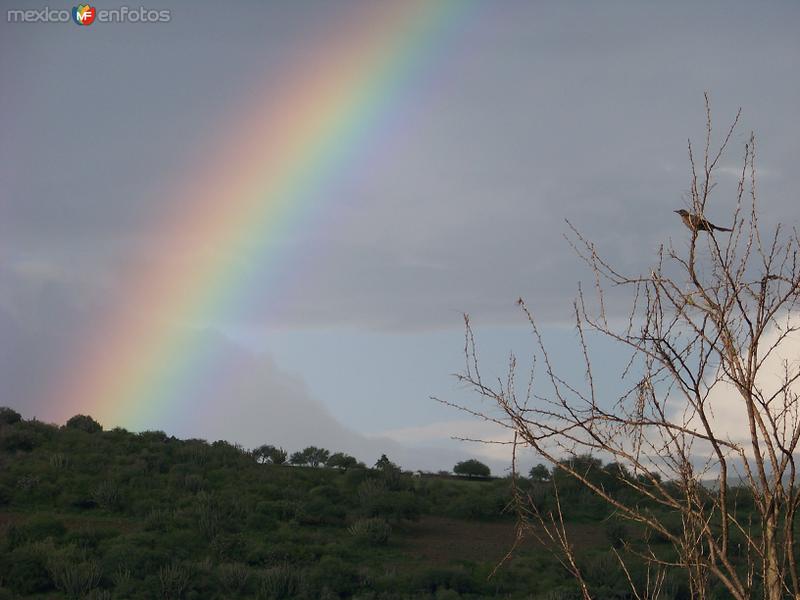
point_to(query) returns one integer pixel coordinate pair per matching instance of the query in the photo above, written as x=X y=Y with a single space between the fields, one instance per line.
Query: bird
x=698 y=223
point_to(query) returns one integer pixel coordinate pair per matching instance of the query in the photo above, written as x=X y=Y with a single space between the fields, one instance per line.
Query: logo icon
x=83 y=14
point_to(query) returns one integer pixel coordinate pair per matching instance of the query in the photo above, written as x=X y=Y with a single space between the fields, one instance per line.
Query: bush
x=133 y=555
x=107 y=496
x=5 y=495
x=84 y=423
x=270 y=454
x=340 y=460
x=88 y=539
x=209 y=514
x=472 y=468
x=233 y=577
x=158 y=520
x=8 y=416
x=76 y=580
x=59 y=461
x=375 y=532
x=173 y=580
x=13 y=439
x=441 y=578
x=332 y=574
x=616 y=533
x=36 y=529
x=279 y=582
x=25 y=568
x=193 y=483
x=226 y=547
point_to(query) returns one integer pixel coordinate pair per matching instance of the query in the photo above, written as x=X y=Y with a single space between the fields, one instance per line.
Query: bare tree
x=706 y=327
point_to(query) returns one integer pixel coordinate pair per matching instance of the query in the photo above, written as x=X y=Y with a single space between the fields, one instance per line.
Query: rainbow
x=260 y=182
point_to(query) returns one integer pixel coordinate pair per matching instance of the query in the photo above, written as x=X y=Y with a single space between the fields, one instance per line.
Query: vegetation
x=87 y=513
x=472 y=468
x=270 y=454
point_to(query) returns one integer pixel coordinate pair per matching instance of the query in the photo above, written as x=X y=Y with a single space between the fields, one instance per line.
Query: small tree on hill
x=472 y=468
x=8 y=416
x=316 y=456
x=310 y=455
x=84 y=423
x=339 y=460
x=298 y=459
x=384 y=464
x=277 y=456
x=270 y=454
x=540 y=473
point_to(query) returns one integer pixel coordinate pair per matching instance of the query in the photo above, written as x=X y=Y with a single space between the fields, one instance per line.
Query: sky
x=446 y=145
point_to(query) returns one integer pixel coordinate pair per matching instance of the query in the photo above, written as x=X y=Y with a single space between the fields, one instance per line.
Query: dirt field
x=441 y=540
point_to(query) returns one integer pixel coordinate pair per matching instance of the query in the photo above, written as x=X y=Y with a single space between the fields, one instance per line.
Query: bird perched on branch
x=698 y=223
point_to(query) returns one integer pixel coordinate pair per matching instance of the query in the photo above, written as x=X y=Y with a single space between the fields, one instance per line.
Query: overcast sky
x=533 y=113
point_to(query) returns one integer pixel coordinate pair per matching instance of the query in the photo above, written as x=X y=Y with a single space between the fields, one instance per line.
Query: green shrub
x=616 y=533
x=25 y=568
x=355 y=477
x=121 y=577
x=198 y=453
x=282 y=581
x=370 y=489
x=88 y=539
x=603 y=569
x=39 y=528
x=13 y=439
x=193 y=483
x=173 y=580
x=372 y=531
x=72 y=578
x=233 y=577
x=444 y=578
x=107 y=495
x=136 y=554
x=260 y=522
x=227 y=547
x=209 y=514
x=336 y=575
x=158 y=519
x=59 y=461
x=8 y=416
x=84 y=423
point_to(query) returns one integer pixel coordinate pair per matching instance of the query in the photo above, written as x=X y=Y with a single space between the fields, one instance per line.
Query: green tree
x=84 y=423
x=268 y=453
x=278 y=456
x=8 y=416
x=540 y=473
x=472 y=468
x=310 y=455
x=339 y=460
x=384 y=464
x=316 y=456
x=298 y=459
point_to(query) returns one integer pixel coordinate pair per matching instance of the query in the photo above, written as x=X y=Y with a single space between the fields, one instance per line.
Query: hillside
x=114 y=514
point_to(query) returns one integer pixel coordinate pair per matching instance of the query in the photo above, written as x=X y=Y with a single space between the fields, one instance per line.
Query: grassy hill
x=86 y=513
